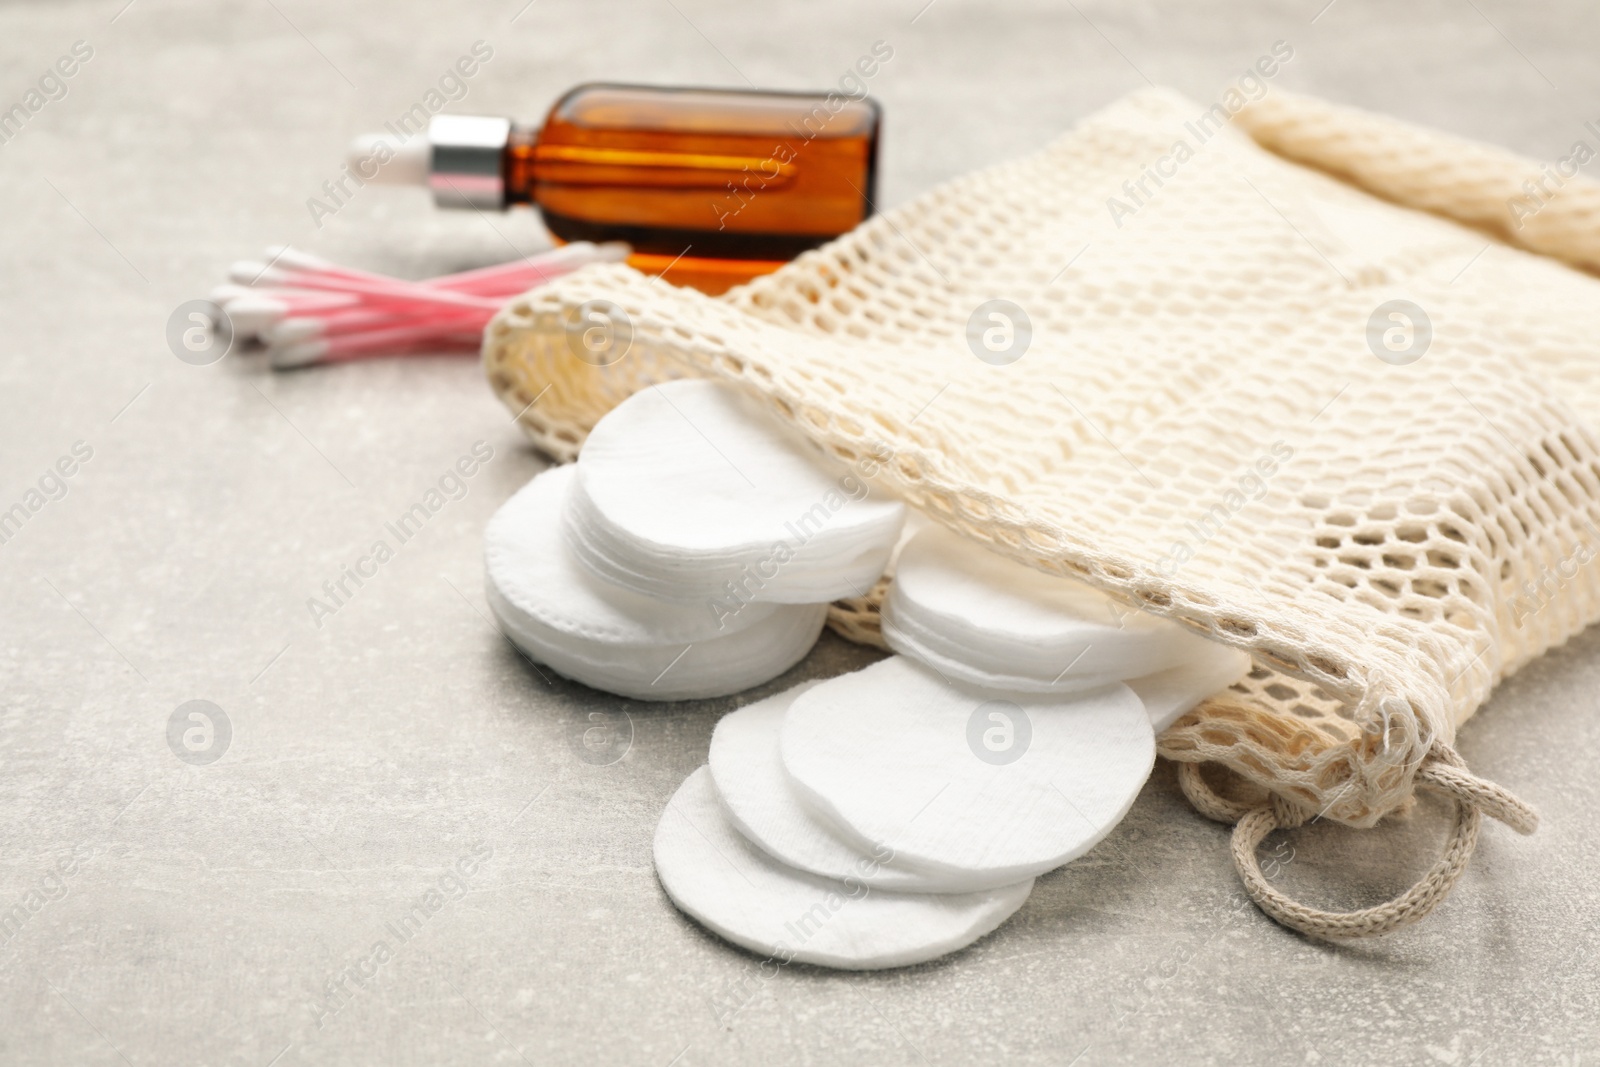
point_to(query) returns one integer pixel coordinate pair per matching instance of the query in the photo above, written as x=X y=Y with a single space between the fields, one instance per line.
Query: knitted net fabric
x=1199 y=424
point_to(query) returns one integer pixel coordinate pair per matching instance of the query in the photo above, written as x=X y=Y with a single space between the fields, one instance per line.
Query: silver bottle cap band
x=468 y=157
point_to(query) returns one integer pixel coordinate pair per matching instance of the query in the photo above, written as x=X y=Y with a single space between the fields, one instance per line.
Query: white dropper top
x=379 y=158
x=460 y=158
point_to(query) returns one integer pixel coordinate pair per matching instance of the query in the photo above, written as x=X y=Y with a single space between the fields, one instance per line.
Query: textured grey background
x=209 y=905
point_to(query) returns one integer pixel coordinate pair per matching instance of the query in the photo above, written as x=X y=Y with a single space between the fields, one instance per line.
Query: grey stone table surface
x=228 y=913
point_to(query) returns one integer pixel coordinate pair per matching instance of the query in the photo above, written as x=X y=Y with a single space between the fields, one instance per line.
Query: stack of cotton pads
x=979 y=618
x=742 y=850
x=690 y=552
x=742 y=509
x=877 y=819
x=893 y=815
x=613 y=638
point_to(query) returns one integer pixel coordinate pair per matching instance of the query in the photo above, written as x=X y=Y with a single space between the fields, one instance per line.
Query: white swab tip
x=251 y=315
x=254 y=272
x=292 y=331
x=285 y=256
x=301 y=354
x=220 y=295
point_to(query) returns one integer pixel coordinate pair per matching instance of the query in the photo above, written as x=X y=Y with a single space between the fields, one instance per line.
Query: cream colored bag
x=1347 y=434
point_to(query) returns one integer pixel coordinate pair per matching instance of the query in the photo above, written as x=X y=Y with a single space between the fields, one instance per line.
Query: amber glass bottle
x=711 y=186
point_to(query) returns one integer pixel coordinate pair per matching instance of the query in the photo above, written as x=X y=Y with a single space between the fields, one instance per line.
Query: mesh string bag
x=1314 y=387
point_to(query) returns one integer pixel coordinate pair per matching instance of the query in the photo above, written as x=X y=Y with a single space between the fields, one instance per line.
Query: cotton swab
x=376 y=342
x=250 y=312
x=252 y=273
x=295 y=342
x=300 y=327
x=501 y=278
x=308 y=310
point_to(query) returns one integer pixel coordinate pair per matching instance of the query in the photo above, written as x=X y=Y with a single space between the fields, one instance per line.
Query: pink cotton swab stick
x=309 y=310
x=500 y=279
x=307 y=327
x=251 y=311
x=365 y=314
x=372 y=342
x=382 y=304
x=247 y=272
x=495 y=282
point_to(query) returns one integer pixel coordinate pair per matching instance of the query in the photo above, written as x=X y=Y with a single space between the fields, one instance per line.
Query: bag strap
x=1442 y=771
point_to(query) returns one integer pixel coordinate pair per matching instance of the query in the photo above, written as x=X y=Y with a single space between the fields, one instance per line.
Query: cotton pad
x=981 y=618
x=1173 y=692
x=615 y=639
x=742 y=894
x=960 y=779
x=764 y=806
x=689 y=490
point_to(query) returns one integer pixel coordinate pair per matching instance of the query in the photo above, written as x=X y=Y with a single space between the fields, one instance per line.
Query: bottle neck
x=521 y=164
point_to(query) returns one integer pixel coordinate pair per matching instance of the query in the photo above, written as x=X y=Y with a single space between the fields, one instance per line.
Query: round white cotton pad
x=959 y=779
x=1172 y=692
x=689 y=490
x=742 y=894
x=765 y=807
x=978 y=617
x=615 y=639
